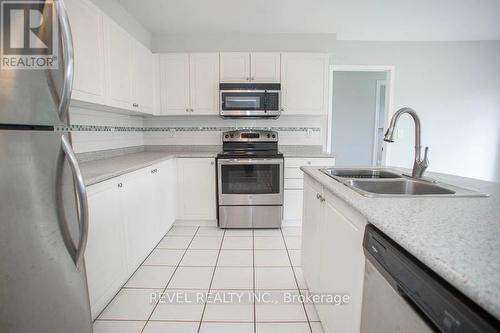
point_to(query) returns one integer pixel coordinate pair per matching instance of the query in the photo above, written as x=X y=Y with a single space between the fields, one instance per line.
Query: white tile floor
x=194 y=264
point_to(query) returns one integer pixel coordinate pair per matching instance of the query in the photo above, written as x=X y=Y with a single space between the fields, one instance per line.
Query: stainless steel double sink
x=382 y=182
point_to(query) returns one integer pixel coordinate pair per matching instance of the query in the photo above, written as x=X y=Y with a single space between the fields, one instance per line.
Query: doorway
x=361 y=98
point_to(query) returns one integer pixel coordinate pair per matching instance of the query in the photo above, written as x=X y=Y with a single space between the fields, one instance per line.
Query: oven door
x=256 y=181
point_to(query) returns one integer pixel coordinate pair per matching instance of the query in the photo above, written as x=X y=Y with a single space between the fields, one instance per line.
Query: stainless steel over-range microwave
x=250 y=100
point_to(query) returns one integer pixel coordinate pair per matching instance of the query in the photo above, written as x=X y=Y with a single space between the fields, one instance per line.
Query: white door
x=311 y=234
x=87 y=31
x=174 y=84
x=119 y=49
x=143 y=79
x=105 y=259
x=304 y=83
x=265 y=67
x=138 y=221
x=163 y=197
x=204 y=83
x=342 y=269
x=292 y=206
x=196 y=181
x=235 y=67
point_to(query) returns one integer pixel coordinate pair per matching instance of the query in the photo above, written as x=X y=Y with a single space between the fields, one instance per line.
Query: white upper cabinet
x=204 y=83
x=189 y=84
x=235 y=67
x=143 y=92
x=87 y=30
x=119 y=56
x=304 y=83
x=111 y=67
x=265 y=67
x=250 y=67
x=174 y=78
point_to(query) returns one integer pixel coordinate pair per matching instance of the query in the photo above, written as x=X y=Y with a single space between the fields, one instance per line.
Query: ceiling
x=382 y=20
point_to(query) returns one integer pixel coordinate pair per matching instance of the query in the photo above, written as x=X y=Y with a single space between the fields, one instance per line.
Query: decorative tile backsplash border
x=91 y=128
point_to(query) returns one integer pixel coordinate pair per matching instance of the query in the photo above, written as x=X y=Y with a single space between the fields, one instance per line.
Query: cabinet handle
x=135 y=105
x=212 y=163
x=282 y=109
x=308 y=162
x=120 y=185
x=248 y=78
x=187 y=110
x=192 y=110
x=252 y=78
x=154 y=171
x=318 y=196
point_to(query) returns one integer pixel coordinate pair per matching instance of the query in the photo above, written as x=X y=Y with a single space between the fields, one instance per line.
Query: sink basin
x=381 y=182
x=399 y=187
x=361 y=173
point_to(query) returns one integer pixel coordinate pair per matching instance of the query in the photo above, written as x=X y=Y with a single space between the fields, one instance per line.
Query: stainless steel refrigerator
x=43 y=204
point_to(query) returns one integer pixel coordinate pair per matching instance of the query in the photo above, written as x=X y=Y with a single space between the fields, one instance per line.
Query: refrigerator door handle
x=77 y=251
x=67 y=50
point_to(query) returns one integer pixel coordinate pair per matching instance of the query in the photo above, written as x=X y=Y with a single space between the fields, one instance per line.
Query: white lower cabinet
x=164 y=196
x=138 y=218
x=332 y=255
x=128 y=216
x=311 y=224
x=105 y=258
x=196 y=189
x=292 y=206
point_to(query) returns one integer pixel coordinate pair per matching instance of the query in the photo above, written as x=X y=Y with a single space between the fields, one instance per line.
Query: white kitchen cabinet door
x=196 y=181
x=139 y=222
x=105 y=258
x=156 y=85
x=204 y=83
x=312 y=220
x=235 y=67
x=86 y=22
x=143 y=91
x=292 y=207
x=119 y=53
x=174 y=84
x=342 y=270
x=304 y=83
x=164 y=197
x=265 y=67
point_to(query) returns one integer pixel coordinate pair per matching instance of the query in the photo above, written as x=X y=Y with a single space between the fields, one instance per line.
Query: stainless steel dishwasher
x=403 y=295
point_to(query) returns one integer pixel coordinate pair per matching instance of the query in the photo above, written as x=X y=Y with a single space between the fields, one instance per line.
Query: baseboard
x=291 y=223
x=204 y=223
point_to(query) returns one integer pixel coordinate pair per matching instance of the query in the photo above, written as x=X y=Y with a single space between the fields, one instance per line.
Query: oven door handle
x=238 y=161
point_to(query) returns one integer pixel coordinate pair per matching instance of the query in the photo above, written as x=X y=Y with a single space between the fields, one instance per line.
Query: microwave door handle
x=265 y=100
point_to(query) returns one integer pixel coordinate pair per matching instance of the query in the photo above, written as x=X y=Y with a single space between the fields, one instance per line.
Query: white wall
x=353 y=116
x=120 y=15
x=85 y=141
x=454 y=87
x=243 y=42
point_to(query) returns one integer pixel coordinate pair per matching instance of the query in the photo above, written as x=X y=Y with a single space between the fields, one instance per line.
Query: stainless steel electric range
x=250 y=180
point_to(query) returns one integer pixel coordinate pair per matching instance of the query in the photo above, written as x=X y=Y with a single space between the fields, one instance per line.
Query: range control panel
x=250 y=136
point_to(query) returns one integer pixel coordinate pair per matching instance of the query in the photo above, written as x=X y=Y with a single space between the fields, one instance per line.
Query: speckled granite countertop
x=100 y=166
x=304 y=151
x=458 y=238
x=102 y=169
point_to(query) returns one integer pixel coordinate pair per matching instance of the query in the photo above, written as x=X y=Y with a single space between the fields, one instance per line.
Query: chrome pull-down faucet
x=420 y=164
